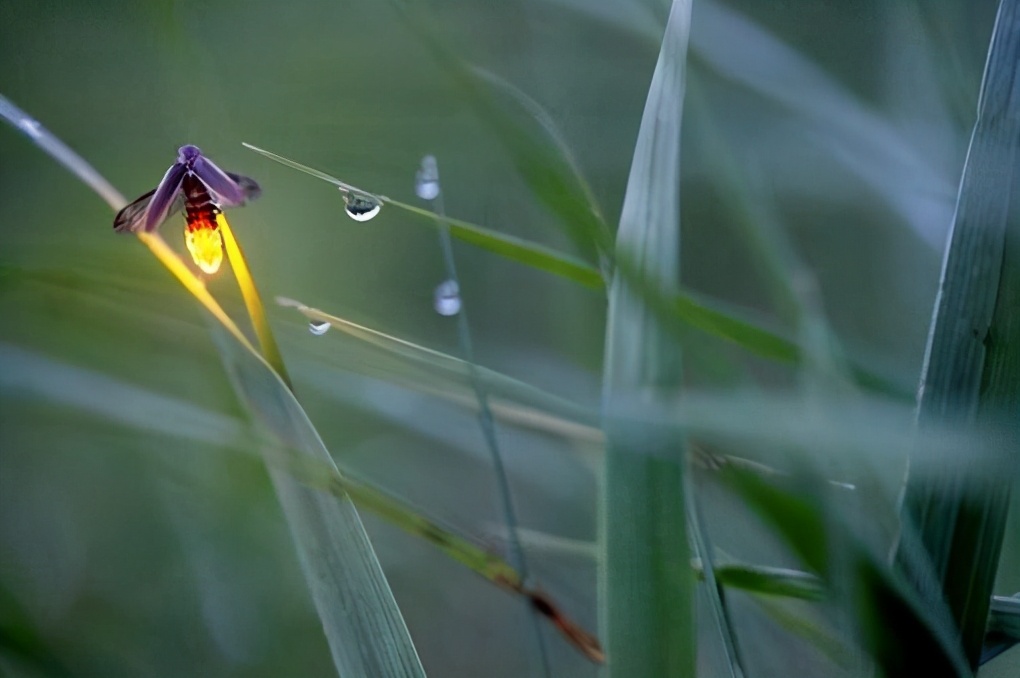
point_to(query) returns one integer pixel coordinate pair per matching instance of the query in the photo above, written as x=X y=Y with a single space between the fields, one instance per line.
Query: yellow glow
x=206 y=247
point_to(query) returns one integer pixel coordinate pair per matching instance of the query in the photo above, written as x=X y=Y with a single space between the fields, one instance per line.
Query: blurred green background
x=134 y=543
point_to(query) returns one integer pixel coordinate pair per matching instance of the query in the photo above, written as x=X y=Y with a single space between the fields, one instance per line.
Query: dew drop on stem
x=447 y=298
x=318 y=327
x=360 y=207
x=426 y=181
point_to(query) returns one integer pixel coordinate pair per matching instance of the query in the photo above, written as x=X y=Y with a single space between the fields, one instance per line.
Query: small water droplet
x=318 y=327
x=447 y=298
x=361 y=207
x=426 y=181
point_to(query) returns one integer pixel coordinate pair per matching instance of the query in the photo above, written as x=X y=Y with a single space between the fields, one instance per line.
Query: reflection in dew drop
x=426 y=181
x=360 y=207
x=318 y=327
x=447 y=299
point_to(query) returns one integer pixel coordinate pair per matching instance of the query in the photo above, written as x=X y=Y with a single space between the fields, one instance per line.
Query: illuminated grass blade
x=971 y=372
x=364 y=628
x=252 y=300
x=647 y=591
x=515 y=249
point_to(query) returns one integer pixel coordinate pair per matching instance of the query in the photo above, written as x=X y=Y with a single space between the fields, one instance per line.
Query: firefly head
x=188 y=154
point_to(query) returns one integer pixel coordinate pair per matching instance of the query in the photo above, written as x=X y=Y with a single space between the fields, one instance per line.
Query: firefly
x=195 y=184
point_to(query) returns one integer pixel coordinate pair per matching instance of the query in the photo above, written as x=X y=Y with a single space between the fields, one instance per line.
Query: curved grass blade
x=551 y=413
x=763 y=580
x=59 y=151
x=647 y=604
x=971 y=371
x=252 y=300
x=707 y=315
x=515 y=249
x=27 y=372
x=902 y=635
x=364 y=628
x=703 y=554
x=546 y=171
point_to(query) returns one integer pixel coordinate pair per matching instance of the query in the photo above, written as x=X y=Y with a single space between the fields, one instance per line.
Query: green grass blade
x=515 y=249
x=902 y=635
x=971 y=371
x=763 y=580
x=366 y=632
x=546 y=411
x=364 y=628
x=647 y=604
x=691 y=309
x=550 y=175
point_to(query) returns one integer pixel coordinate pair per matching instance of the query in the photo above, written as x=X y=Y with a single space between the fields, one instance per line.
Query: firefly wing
x=249 y=187
x=165 y=196
x=132 y=218
x=226 y=190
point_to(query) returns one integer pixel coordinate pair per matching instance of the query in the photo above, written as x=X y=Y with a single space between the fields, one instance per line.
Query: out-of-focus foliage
x=131 y=544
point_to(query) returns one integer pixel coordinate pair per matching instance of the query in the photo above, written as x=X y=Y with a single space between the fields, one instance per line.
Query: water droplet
x=447 y=298
x=318 y=327
x=426 y=181
x=361 y=207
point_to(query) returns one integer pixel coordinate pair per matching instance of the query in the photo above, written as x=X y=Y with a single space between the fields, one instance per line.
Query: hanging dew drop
x=447 y=298
x=426 y=181
x=360 y=207
x=318 y=327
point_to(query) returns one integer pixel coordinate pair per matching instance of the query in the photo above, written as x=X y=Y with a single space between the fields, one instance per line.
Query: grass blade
x=971 y=370
x=546 y=411
x=32 y=374
x=364 y=628
x=902 y=635
x=515 y=249
x=647 y=594
x=485 y=419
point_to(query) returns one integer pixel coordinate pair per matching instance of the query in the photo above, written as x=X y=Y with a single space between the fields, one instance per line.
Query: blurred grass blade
x=366 y=633
x=550 y=409
x=647 y=603
x=515 y=249
x=762 y=580
x=486 y=422
x=971 y=372
x=863 y=141
x=543 y=167
x=798 y=623
x=902 y=635
x=546 y=122
x=60 y=152
x=710 y=316
x=702 y=550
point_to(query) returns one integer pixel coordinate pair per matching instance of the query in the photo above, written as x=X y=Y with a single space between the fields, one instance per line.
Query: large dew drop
x=361 y=207
x=447 y=298
x=426 y=181
x=318 y=327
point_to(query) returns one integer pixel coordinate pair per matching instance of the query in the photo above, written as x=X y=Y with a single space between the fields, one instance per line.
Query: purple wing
x=164 y=196
x=228 y=192
x=131 y=219
x=250 y=187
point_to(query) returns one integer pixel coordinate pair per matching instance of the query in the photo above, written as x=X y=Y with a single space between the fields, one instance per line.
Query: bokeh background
x=136 y=536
